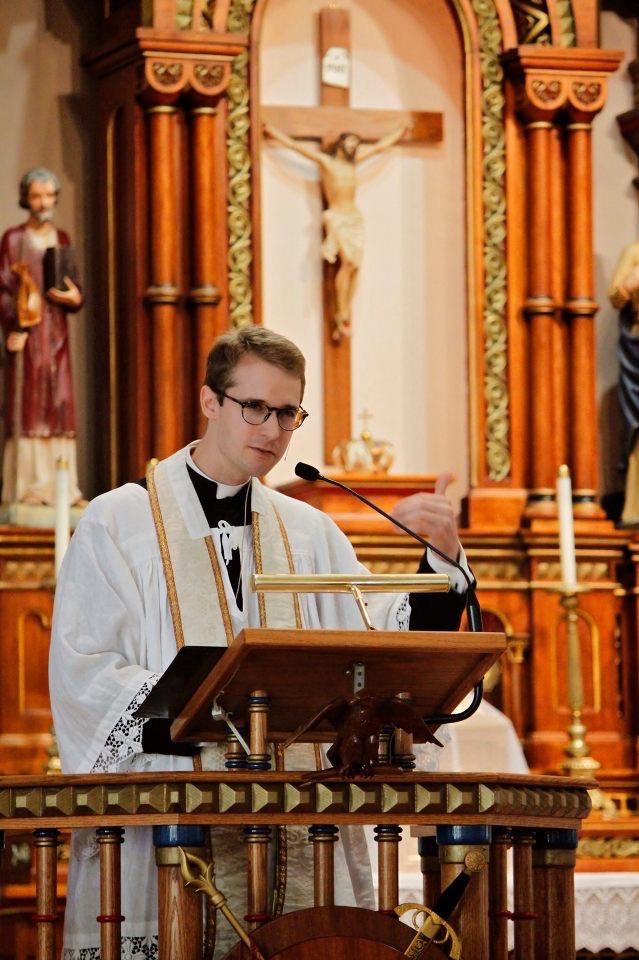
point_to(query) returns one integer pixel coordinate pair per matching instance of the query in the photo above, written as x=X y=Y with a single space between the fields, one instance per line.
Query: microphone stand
x=473 y=609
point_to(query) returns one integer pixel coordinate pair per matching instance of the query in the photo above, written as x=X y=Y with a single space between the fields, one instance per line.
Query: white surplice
x=113 y=637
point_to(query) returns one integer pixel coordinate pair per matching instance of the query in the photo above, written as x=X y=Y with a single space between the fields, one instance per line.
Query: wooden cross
x=325 y=123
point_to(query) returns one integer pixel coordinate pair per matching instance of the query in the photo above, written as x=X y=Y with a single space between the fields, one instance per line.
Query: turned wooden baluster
x=388 y=836
x=46 y=846
x=403 y=755
x=180 y=908
x=110 y=918
x=431 y=875
x=324 y=839
x=524 y=912
x=460 y=847
x=498 y=893
x=554 y=858
x=257 y=840
x=259 y=757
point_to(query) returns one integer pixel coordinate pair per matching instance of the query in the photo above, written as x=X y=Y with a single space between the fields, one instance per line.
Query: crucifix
x=347 y=136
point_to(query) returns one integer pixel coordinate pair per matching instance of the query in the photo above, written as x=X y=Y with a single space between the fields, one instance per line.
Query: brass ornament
x=240 y=255
x=475 y=861
x=431 y=930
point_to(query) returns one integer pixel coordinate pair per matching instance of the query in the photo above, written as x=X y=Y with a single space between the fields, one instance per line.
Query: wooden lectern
x=267 y=682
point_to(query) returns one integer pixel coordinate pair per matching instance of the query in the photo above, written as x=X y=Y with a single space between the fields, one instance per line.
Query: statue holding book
x=38 y=288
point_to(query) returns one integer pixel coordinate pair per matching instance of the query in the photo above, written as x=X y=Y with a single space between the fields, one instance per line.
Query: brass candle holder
x=578 y=762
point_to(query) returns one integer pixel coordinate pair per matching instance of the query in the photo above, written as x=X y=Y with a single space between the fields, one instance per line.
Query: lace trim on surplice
x=133 y=948
x=125 y=739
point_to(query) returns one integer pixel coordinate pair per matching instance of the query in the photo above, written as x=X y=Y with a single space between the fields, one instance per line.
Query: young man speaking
x=166 y=562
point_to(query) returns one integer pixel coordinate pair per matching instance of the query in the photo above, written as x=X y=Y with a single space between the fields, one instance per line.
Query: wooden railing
x=477 y=817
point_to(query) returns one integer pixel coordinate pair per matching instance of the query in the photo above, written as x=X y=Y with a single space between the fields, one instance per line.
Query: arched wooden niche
x=506 y=441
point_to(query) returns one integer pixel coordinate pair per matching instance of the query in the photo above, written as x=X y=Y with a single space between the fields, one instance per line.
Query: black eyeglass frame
x=269 y=410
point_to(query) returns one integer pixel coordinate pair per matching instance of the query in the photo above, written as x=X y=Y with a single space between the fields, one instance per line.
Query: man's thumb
x=442 y=483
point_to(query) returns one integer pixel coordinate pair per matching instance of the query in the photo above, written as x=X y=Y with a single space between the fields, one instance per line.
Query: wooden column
x=162 y=294
x=459 y=847
x=257 y=839
x=403 y=754
x=429 y=864
x=540 y=310
x=46 y=857
x=524 y=903
x=580 y=312
x=204 y=294
x=388 y=837
x=324 y=839
x=554 y=860
x=180 y=908
x=498 y=894
x=110 y=918
x=258 y=758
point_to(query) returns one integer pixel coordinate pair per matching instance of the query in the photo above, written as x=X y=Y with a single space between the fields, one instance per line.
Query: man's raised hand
x=432 y=515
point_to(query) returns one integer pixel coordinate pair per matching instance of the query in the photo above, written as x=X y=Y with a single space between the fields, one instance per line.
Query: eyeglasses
x=256 y=412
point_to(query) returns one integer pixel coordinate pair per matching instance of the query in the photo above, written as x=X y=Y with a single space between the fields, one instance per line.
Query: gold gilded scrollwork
x=587 y=93
x=184 y=14
x=209 y=75
x=567 y=27
x=546 y=90
x=496 y=399
x=239 y=19
x=608 y=848
x=239 y=210
x=167 y=73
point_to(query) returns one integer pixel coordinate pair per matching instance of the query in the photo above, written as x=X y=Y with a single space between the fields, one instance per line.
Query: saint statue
x=342 y=219
x=624 y=296
x=40 y=417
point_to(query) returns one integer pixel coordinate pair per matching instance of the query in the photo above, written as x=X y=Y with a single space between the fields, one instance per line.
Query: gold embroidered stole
x=200 y=614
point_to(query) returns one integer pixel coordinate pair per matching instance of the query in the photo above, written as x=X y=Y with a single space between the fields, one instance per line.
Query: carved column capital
x=549 y=82
x=167 y=77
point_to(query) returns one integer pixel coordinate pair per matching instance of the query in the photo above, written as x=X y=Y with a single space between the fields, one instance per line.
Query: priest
x=167 y=561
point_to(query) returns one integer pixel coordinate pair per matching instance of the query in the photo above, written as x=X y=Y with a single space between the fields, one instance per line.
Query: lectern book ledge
x=302 y=670
x=188 y=669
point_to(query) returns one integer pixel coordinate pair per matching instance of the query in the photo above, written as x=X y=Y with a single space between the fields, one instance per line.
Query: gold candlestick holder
x=578 y=762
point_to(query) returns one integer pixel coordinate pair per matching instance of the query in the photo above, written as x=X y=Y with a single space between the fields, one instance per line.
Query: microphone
x=473 y=610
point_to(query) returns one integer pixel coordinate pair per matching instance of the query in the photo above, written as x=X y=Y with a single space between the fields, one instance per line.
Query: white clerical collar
x=223 y=489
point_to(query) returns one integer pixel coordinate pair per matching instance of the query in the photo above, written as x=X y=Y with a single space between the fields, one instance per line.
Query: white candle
x=566 y=528
x=62 y=511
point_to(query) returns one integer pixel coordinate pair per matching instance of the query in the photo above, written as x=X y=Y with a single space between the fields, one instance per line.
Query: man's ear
x=209 y=403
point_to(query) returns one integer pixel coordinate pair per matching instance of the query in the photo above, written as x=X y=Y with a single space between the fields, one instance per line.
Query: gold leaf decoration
x=240 y=233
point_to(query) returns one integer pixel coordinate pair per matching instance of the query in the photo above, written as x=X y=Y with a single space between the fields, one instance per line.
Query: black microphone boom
x=473 y=610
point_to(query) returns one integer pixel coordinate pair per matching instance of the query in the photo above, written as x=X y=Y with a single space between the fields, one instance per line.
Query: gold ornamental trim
x=567 y=27
x=495 y=331
x=239 y=19
x=608 y=848
x=218 y=797
x=240 y=228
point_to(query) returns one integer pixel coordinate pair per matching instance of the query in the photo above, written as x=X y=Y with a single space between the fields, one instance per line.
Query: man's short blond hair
x=228 y=350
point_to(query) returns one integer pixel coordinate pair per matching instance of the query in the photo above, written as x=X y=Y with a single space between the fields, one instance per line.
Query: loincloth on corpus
x=344 y=236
